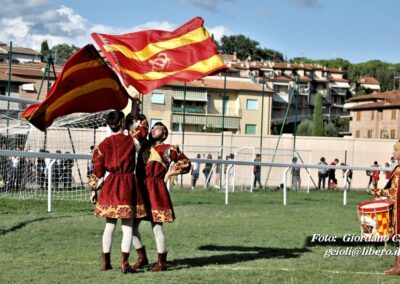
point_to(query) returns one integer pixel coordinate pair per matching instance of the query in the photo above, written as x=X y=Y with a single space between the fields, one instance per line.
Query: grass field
x=254 y=239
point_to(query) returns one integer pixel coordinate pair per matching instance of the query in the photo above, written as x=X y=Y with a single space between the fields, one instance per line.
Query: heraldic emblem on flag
x=86 y=84
x=150 y=59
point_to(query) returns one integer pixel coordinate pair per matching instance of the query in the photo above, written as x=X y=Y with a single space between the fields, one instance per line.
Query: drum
x=375 y=218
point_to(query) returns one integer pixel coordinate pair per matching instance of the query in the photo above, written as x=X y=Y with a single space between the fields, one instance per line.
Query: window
x=393 y=114
x=157 y=98
x=252 y=105
x=250 y=129
x=358 y=115
x=369 y=135
x=154 y=121
x=176 y=127
x=384 y=134
x=357 y=133
x=372 y=115
x=392 y=134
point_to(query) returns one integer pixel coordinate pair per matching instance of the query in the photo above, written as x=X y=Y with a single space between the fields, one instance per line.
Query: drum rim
x=388 y=205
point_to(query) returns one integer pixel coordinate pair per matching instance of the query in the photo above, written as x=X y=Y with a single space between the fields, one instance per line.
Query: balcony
x=230 y=122
x=189 y=109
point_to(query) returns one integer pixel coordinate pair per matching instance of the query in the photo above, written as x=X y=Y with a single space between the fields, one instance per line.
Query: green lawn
x=254 y=239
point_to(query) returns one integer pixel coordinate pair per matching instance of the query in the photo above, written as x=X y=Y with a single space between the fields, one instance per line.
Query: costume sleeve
x=390 y=190
x=99 y=161
x=139 y=136
x=181 y=161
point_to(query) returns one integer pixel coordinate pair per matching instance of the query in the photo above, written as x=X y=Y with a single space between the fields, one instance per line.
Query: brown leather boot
x=395 y=270
x=125 y=267
x=161 y=265
x=105 y=261
x=142 y=259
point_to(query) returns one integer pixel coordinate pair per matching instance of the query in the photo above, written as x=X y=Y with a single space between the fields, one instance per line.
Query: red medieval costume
x=157 y=161
x=392 y=191
x=120 y=196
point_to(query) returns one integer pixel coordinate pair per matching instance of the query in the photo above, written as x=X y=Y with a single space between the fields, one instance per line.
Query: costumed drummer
x=391 y=191
x=116 y=155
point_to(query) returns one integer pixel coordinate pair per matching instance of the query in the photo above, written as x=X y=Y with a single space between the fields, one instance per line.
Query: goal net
x=26 y=173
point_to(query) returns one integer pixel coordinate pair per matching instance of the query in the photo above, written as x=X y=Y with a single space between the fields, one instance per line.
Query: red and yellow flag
x=150 y=59
x=86 y=84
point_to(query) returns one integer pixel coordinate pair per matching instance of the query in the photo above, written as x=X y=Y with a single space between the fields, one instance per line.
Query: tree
x=242 y=45
x=304 y=128
x=44 y=50
x=331 y=130
x=61 y=52
x=267 y=54
x=247 y=48
x=318 y=117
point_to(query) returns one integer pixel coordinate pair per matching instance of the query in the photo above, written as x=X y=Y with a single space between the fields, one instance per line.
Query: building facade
x=375 y=116
x=243 y=107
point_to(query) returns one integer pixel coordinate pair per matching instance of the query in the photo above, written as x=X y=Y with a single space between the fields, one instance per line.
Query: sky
x=355 y=30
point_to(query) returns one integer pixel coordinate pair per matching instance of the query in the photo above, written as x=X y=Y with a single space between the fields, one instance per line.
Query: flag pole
x=9 y=91
x=262 y=115
x=223 y=124
x=184 y=116
x=183 y=124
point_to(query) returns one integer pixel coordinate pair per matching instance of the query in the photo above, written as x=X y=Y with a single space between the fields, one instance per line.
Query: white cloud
x=15 y=8
x=70 y=22
x=56 y=25
x=164 y=26
x=15 y=27
x=219 y=31
x=63 y=25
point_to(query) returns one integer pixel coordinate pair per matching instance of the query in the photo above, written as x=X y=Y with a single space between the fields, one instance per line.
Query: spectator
x=58 y=171
x=296 y=181
x=14 y=180
x=231 y=173
x=195 y=171
x=3 y=169
x=67 y=174
x=28 y=169
x=207 y=171
x=89 y=165
x=332 y=181
x=347 y=177
x=41 y=170
x=257 y=172
x=375 y=176
x=392 y=163
x=322 y=173
x=388 y=172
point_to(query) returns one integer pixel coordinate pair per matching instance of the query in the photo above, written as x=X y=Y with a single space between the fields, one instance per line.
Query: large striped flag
x=86 y=84
x=150 y=59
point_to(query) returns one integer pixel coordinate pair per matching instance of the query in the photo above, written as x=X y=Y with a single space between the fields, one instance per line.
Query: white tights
x=126 y=225
x=158 y=235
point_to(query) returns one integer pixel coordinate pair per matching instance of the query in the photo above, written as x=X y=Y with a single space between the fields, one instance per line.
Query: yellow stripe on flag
x=84 y=65
x=204 y=66
x=82 y=91
x=198 y=35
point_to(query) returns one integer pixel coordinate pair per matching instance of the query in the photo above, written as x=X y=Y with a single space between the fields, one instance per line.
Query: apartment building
x=205 y=106
x=307 y=79
x=19 y=54
x=368 y=83
x=375 y=115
